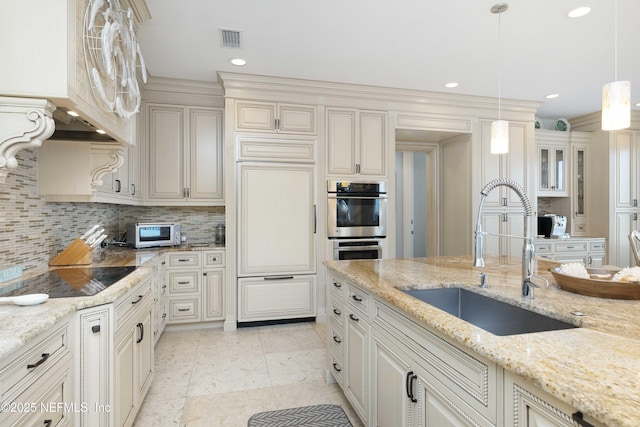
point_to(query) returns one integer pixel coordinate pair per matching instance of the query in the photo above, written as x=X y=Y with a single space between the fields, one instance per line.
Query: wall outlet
x=10 y=273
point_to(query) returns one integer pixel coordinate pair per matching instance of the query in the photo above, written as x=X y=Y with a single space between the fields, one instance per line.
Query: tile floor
x=208 y=378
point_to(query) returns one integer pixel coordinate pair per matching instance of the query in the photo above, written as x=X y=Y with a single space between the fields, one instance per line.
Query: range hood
x=69 y=128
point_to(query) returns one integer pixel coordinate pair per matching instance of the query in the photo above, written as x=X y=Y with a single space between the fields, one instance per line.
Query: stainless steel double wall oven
x=357 y=218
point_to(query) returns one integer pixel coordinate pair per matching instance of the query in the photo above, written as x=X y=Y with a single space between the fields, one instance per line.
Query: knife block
x=77 y=253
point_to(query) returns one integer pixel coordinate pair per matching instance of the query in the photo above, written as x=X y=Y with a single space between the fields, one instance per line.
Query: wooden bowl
x=597 y=287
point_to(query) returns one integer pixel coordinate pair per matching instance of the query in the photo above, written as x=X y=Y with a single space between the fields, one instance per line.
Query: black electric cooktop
x=68 y=282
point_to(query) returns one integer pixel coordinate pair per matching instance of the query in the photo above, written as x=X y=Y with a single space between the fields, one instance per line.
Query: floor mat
x=307 y=416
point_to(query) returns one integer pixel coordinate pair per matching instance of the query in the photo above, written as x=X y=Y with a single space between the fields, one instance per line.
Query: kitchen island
x=593 y=368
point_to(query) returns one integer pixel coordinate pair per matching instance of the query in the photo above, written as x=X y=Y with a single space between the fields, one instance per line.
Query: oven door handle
x=355 y=196
x=356 y=248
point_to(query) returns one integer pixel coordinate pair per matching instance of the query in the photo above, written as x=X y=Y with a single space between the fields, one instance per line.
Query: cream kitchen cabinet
x=528 y=406
x=512 y=165
x=553 y=163
x=195 y=281
x=184 y=155
x=580 y=184
x=613 y=208
x=275 y=117
x=133 y=353
x=421 y=379
x=80 y=171
x=159 y=267
x=589 y=251
x=349 y=347
x=115 y=357
x=123 y=186
x=505 y=222
x=356 y=142
x=35 y=381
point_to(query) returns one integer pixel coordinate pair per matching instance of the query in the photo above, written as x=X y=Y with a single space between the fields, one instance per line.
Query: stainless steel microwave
x=152 y=234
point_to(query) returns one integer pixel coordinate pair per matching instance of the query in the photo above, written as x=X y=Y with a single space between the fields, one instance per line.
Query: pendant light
x=616 y=96
x=499 y=128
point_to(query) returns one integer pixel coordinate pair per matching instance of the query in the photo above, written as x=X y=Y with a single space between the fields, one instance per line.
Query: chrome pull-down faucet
x=528 y=250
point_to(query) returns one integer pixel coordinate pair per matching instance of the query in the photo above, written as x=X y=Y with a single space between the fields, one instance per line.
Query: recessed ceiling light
x=100 y=131
x=580 y=11
x=73 y=113
x=552 y=95
x=238 y=61
x=451 y=84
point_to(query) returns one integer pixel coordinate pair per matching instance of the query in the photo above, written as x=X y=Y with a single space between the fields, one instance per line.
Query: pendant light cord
x=499 y=67
x=615 y=40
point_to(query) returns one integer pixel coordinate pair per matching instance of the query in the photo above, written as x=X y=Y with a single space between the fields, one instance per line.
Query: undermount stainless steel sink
x=497 y=317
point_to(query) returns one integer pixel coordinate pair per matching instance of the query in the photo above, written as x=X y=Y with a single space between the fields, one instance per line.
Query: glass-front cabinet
x=553 y=171
x=579 y=223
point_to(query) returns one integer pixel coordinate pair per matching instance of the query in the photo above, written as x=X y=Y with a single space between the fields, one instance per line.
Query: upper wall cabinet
x=275 y=117
x=356 y=142
x=57 y=54
x=553 y=163
x=183 y=155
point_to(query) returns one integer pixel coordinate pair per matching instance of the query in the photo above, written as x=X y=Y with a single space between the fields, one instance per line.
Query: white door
x=277 y=219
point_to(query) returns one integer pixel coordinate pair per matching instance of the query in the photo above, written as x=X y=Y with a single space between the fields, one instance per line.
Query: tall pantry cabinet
x=276 y=215
x=616 y=210
x=503 y=211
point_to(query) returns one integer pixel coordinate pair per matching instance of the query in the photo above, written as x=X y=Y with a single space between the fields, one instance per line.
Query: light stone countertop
x=19 y=325
x=594 y=368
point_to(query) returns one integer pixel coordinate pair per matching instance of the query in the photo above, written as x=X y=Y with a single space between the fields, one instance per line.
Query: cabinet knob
x=95 y=329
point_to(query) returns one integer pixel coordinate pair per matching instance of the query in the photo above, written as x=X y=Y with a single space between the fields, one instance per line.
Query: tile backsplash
x=32 y=230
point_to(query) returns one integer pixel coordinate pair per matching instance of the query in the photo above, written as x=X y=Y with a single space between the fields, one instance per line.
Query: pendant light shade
x=499 y=128
x=499 y=137
x=616 y=105
x=616 y=96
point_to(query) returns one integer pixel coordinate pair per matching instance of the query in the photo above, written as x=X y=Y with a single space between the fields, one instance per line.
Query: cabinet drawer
x=337 y=314
x=359 y=299
x=271 y=149
x=596 y=247
x=184 y=282
x=22 y=371
x=184 y=310
x=214 y=259
x=571 y=246
x=337 y=341
x=337 y=368
x=543 y=248
x=183 y=259
x=276 y=298
x=337 y=289
x=136 y=297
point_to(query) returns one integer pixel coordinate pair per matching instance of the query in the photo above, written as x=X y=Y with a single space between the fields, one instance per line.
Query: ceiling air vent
x=230 y=38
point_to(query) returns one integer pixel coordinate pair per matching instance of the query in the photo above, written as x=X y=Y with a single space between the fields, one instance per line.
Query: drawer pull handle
x=183 y=309
x=278 y=278
x=337 y=285
x=183 y=282
x=356 y=298
x=164 y=286
x=336 y=339
x=95 y=329
x=140 y=326
x=214 y=258
x=183 y=260
x=47 y=423
x=45 y=356
x=335 y=366
x=164 y=315
x=354 y=318
x=337 y=312
x=577 y=417
x=409 y=384
x=137 y=301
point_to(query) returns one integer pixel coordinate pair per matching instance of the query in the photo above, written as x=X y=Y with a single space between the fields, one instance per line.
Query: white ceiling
x=410 y=44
